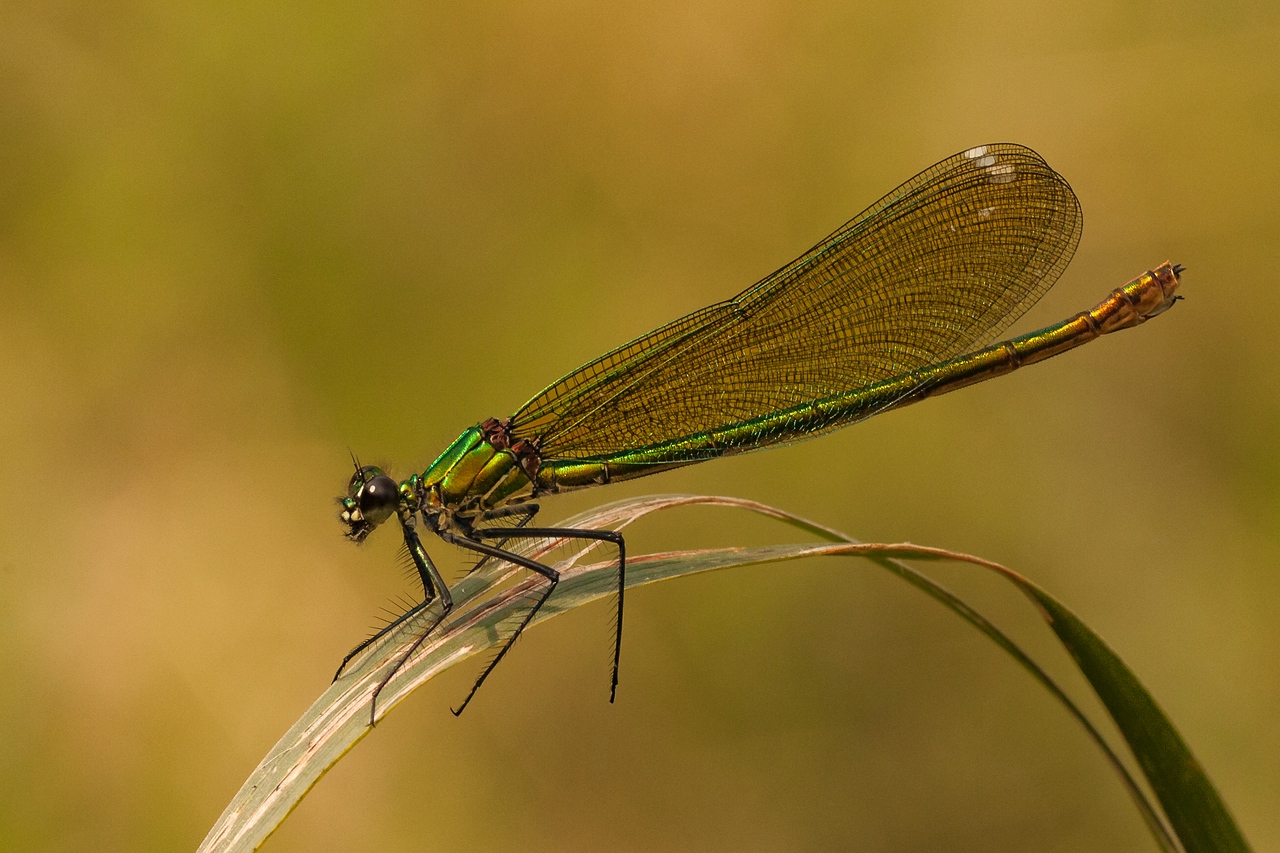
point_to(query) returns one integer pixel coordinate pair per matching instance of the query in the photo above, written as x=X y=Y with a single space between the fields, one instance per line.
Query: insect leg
x=430 y=575
x=580 y=533
x=526 y=512
x=431 y=581
x=492 y=551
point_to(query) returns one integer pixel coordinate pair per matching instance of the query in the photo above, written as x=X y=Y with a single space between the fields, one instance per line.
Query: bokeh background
x=237 y=239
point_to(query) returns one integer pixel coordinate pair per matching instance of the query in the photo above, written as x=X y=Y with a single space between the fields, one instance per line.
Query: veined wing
x=937 y=268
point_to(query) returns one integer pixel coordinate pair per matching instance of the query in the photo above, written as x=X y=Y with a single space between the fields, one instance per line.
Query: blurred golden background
x=237 y=239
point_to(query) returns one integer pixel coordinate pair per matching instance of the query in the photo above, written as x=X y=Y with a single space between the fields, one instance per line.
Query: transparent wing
x=938 y=267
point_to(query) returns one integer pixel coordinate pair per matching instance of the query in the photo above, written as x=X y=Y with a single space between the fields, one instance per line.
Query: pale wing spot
x=1002 y=174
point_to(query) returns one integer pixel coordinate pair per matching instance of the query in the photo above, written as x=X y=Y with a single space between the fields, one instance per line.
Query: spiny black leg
x=528 y=511
x=430 y=578
x=426 y=572
x=580 y=533
x=400 y=662
x=491 y=551
x=386 y=629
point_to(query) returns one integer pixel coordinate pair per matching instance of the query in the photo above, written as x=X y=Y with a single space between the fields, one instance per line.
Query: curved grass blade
x=338 y=719
x=1200 y=819
x=1198 y=814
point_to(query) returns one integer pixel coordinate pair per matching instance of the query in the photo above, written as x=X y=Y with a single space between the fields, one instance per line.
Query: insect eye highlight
x=378 y=498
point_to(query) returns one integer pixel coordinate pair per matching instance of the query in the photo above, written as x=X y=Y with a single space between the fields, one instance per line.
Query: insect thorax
x=482 y=469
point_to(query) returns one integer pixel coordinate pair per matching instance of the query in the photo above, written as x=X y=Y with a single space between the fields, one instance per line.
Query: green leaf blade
x=1192 y=803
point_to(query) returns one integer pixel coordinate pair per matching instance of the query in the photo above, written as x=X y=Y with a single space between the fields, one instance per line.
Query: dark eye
x=362 y=476
x=378 y=499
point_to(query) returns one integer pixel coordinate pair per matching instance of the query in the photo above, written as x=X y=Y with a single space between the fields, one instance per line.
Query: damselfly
x=899 y=304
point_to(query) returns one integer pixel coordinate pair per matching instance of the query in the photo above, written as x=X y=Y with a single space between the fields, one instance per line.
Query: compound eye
x=378 y=499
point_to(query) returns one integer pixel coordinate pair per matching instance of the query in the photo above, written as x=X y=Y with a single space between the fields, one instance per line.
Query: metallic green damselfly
x=899 y=304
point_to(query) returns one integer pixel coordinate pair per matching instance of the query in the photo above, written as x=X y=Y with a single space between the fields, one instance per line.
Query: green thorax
x=476 y=472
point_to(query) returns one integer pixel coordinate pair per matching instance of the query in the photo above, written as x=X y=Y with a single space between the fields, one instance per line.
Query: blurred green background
x=237 y=239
